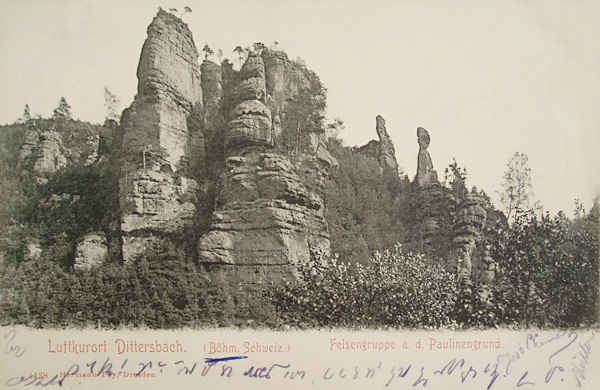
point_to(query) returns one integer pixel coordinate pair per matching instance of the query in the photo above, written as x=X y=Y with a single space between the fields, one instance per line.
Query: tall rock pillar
x=269 y=210
x=156 y=196
x=426 y=175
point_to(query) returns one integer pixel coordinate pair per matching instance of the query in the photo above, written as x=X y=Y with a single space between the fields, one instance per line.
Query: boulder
x=91 y=252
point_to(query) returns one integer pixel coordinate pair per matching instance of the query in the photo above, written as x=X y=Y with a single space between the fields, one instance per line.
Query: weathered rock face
x=50 y=158
x=426 y=175
x=30 y=143
x=92 y=143
x=91 y=251
x=169 y=88
x=49 y=146
x=212 y=87
x=154 y=204
x=269 y=210
x=251 y=123
x=470 y=221
x=162 y=129
x=283 y=82
x=434 y=210
x=266 y=212
x=383 y=150
x=387 y=153
x=318 y=148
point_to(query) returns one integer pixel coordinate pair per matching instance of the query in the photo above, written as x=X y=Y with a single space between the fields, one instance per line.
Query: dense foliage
x=548 y=271
x=394 y=290
x=160 y=290
x=364 y=206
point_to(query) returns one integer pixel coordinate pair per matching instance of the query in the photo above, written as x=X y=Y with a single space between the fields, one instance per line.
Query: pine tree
x=63 y=111
x=26 y=114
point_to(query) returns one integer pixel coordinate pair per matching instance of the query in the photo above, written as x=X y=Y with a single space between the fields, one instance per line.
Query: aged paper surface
x=299 y=360
x=225 y=359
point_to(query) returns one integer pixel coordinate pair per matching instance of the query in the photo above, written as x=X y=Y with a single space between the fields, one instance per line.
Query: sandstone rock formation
x=90 y=252
x=50 y=158
x=161 y=135
x=92 y=143
x=266 y=213
x=30 y=143
x=251 y=123
x=49 y=146
x=383 y=150
x=318 y=148
x=169 y=88
x=387 y=153
x=283 y=82
x=212 y=87
x=154 y=204
x=426 y=175
x=269 y=210
x=470 y=221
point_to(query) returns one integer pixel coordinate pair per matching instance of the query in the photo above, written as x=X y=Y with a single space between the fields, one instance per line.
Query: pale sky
x=485 y=78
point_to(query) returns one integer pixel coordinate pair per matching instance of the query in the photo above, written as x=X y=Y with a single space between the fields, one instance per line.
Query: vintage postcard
x=299 y=194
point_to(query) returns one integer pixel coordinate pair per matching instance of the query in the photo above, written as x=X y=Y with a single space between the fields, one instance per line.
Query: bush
x=394 y=290
x=548 y=271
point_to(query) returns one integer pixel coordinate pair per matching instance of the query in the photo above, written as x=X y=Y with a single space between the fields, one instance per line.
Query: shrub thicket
x=394 y=290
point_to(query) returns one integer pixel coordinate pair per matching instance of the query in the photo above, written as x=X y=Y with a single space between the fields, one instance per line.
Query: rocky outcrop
x=212 y=87
x=161 y=137
x=169 y=88
x=434 y=213
x=269 y=210
x=251 y=123
x=49 y=156
x=154 y=205
x=387 y=153
x=283 y=81
x=91 y=252
x=318 y=148
x=470 y=221
x=49 y=146
x=30 y=143
x=92 y=143
x=426 y=175
x=266 y=213
x=383 y=150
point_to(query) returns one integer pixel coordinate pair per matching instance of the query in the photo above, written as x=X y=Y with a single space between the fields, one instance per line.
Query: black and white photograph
x=337 y=179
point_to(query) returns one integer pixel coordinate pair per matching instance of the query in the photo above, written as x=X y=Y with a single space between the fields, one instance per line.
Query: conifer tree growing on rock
x=26 y=113
x=455 y=178
x=207 y=51
x=63 y=111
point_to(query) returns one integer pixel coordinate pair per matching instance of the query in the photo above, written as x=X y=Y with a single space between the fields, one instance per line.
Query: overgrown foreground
x=549 y=278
